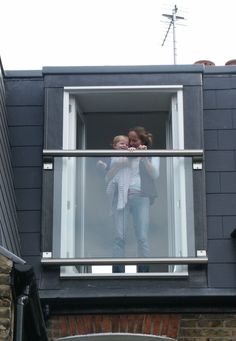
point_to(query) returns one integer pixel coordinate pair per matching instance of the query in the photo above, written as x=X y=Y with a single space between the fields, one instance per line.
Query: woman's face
x=134 y=140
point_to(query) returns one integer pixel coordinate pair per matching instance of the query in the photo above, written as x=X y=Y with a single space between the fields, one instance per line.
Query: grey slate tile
x=220 y=161
x=228 y=182
x=211 y=139
x=212 y=182
x=218 y=119
x=227 y=139
x=26 y=136
x=29 y=221
x=222 y=275
x=229 y=224
x=28 y=199
x=222 y=251
x=221 y=204
x=25 y=115
x=26 y=156
x=27 y=177
x=24 y=92
x=214 y=228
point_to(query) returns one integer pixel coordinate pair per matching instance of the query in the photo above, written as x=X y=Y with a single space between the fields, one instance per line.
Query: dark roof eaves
x=23 y=74
x=47 y=70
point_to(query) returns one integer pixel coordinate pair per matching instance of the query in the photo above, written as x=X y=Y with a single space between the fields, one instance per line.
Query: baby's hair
x=145 y=137
x=118 y=138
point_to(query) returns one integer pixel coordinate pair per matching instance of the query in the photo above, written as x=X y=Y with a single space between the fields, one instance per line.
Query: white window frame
x=177 y=132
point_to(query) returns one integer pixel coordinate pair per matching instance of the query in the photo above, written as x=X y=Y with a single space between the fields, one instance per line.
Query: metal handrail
x=111 y=152
x=127 y=261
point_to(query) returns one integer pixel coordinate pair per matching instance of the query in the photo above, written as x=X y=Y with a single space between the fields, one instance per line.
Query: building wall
x=192 y=327
x=24 y=99
x=25 y=119
x=9 y=237
x=220 y=153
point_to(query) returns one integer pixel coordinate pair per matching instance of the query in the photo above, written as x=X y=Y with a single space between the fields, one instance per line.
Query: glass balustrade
x=123 y=207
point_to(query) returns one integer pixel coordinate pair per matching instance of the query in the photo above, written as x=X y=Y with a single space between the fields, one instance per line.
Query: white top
x=135 y=179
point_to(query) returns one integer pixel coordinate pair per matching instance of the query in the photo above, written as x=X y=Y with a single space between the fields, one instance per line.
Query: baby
x=118 y=176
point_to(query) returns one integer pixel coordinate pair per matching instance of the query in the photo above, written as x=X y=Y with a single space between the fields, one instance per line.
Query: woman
x=141 y=193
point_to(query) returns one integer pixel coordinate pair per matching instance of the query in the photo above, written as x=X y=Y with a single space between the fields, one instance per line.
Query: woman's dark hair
x=145 y=137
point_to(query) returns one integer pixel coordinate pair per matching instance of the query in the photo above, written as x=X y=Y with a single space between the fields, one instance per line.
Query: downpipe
x=20 y=307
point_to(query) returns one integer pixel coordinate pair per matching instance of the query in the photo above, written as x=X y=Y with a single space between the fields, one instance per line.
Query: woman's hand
x=142 y=147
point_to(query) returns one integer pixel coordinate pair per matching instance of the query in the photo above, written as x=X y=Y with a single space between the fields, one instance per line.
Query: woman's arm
x=152 y=166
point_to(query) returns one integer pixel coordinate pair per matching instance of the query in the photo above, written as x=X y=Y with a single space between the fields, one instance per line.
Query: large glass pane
x=136 y=207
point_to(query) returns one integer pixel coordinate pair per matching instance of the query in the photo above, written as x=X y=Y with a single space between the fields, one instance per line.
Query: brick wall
x=61 y=326
x=6 y=306
x=188 y=327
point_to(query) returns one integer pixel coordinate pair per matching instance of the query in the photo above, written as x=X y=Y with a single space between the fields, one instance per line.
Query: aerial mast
x=172 y=18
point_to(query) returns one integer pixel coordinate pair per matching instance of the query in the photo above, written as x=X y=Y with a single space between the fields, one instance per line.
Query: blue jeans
x=138 y=206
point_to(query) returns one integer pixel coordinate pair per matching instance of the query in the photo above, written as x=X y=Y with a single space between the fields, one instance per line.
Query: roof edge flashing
x=53 y=70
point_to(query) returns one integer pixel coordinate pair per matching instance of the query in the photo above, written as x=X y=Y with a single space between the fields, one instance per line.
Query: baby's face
x=121 y=144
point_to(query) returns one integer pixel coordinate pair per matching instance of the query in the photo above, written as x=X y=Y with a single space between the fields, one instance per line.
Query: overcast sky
x=37 y=33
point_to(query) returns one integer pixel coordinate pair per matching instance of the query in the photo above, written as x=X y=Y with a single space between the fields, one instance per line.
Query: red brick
x=63 y=325
x=115 y=323
x=173 y=327
x=98 y=323
x=72 y=325
x=164 y=324
x=156 y=324
x=89 y=324
x=124 y=323
x=132 y=319
x=106 y=324
x=138 y=328
x=81 y=327
x=147 y=324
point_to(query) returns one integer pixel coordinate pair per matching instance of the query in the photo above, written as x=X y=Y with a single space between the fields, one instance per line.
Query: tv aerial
x=172 y=23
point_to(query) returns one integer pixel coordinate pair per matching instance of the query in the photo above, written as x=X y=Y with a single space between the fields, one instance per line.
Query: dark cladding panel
x=27 y=177
x=227 y=139
x=222 y=275
x=193 y=119
x=219 y=119
x=219 y=82
x=220 y=99
x=27 y=156
x=211 y=139
x=220 y=135
x=222 y=251
x=106 y=79
x=30 y=243
x=24 y=92
x=214 y=228
x=9 y=231
x=228 y=182
x=229 y=225
x=29 y=221
x=25 y=100
x=220 y=161
x=28 y=199
x=53 y=118
x=25 y=116
x=213 y=182
x=26 y=136
x=221 y=204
